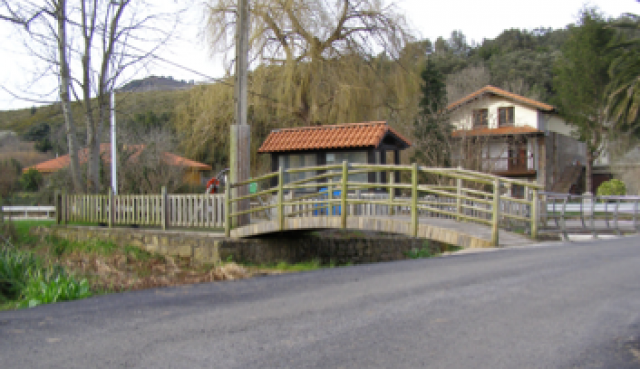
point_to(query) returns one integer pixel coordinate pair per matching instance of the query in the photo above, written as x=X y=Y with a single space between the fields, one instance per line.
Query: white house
x=514 y=136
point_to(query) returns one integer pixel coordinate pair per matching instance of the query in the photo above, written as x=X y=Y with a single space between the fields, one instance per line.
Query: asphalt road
x=558 y=306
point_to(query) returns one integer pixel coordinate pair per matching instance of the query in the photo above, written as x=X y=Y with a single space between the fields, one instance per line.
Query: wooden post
x=227 y=208
x=329 y=197
x=534 y=213
x=64 y=207
x=495 y=213
x=414 y=200
x=165 y=208
x=280 y=199
x=343 y=195
x=392 y=194
x=459 y=196
x=58 y=204
x=111 y=208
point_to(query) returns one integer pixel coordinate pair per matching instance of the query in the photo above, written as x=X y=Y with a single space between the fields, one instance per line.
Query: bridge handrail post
x=495 y=238
x=534 y=213
x=343 y=195
x=227 y=208
x=414 y=200
x=392 y=193
x=280 y=198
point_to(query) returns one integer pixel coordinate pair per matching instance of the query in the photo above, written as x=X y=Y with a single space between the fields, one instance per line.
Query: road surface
x=553 y=306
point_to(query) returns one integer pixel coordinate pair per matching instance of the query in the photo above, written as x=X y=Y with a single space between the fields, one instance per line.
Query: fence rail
x=462 y=195
x=28 y=212
x=566 y=213
x=156 y=210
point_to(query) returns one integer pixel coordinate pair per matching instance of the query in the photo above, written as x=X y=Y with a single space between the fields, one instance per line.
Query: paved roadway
x=558 y=306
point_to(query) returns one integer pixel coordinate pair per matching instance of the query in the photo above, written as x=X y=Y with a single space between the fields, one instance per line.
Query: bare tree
x=122 y=33
x=467 y=81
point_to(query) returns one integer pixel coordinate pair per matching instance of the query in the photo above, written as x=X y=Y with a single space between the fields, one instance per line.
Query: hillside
x=128 y=104
x=154 y=83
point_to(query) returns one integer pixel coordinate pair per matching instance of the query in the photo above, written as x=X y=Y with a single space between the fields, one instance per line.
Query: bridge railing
x=567 y=213
x=458 y=194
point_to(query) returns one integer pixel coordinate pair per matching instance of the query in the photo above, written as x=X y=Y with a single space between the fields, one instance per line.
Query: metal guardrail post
x=592 y=222
x=280 y=199
x=563 y=219
x=227 y=208
x=495 y=216
x=534 y=213
x=343 y=195
x=615 y=218
x=414 y=200
x=635 y=215
x=458 y=196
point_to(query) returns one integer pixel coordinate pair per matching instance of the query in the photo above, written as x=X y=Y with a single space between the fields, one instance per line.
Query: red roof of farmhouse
x=61 y=162
x=342 y=136
x=491 y=90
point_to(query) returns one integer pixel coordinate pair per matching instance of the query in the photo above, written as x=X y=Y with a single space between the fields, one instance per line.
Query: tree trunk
x=589 y=173
x=65 y=82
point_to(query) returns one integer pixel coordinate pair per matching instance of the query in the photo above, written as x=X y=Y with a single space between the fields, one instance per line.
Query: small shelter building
x=357 y=143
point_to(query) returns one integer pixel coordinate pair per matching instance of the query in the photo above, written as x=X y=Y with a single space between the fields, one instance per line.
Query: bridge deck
x=464 y=234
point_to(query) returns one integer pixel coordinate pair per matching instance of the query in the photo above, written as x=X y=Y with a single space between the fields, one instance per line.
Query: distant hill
x=154 y=83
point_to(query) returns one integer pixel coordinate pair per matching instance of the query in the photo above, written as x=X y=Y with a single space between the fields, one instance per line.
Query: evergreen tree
x=581 y=79
x=431 y=129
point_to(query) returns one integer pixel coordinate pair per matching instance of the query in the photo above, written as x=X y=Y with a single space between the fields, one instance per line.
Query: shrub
x=614 y=187
x=31 y=180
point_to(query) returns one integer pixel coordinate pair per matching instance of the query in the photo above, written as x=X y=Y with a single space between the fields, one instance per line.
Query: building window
x=352 y=157
x=481 y=118
x=292 y=161
x=505 y=116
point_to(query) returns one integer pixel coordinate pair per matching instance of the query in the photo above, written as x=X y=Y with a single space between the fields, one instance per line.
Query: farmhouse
x=193 y=169
x=517 y=137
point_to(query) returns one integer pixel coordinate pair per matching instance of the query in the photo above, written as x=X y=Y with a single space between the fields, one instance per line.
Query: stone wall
x=291 y=248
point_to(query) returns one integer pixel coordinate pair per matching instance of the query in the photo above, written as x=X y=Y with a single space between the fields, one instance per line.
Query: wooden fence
x=162 y=210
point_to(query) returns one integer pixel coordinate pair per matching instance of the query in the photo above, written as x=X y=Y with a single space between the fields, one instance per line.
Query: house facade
x=513 y=136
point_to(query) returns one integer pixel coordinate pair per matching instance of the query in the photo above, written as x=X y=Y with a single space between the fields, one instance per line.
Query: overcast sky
x=430 y=19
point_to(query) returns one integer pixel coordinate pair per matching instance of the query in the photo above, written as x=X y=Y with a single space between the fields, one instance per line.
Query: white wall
x=462 y=118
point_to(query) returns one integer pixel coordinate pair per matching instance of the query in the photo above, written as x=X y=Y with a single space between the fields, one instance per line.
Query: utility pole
x=114 y=172
x=240 y=131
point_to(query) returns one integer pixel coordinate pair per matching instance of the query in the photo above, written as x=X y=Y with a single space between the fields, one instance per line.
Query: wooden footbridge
x=461 y=207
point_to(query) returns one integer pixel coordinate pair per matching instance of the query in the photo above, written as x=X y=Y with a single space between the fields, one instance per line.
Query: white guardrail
x=29 y=212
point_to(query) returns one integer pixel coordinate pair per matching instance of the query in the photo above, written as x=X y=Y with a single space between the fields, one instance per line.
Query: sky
x=429 y=19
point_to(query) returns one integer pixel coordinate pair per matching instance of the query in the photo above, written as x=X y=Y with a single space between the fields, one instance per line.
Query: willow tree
x=313 y=62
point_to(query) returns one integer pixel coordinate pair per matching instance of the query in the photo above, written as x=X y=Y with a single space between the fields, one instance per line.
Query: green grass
x=60 y=246
x=298 y=267
x=25 y=280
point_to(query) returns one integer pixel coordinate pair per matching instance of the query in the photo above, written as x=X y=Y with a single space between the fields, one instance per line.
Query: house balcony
x=516 y=166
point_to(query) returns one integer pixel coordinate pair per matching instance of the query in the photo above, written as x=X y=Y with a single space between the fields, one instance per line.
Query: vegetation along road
x=552 y=306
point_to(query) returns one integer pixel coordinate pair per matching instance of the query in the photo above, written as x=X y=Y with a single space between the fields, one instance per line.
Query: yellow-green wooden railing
x=471 y=193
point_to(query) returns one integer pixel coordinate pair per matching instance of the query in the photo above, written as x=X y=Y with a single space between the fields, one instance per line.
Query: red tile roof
x=343 y=136
x=63 y=161
x=500 y=92
x=501 y=131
